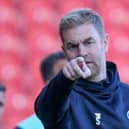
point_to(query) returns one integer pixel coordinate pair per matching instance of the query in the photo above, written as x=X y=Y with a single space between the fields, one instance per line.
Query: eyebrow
x=71 y=42
x=89 y=38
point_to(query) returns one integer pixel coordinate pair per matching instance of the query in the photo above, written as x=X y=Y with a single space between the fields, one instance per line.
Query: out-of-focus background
x=29 y=32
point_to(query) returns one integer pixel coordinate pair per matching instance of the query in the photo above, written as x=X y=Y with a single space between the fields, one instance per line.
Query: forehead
x=80 y=32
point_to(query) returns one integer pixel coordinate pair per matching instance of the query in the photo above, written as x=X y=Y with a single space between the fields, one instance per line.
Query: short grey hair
x=80 y=16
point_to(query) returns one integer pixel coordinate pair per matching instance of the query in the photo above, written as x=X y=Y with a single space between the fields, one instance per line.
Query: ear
x=106 y=42
x=64 y=50
x=62 y=47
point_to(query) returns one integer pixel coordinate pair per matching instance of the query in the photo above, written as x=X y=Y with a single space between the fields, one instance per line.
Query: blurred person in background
x=87 y=93
x=49 y=67
x=2 y=104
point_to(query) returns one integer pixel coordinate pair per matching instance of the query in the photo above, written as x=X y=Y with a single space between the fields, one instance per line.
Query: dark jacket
x=81 y=104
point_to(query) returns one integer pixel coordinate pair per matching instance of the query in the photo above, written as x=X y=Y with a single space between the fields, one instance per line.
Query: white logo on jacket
x=98 y=117
x=128 y=114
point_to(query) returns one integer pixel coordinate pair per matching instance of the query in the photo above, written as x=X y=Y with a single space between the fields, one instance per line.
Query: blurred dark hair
x=2 y=87
x=47 y=65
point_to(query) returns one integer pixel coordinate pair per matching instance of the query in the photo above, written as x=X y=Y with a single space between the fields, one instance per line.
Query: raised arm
x=53 y=100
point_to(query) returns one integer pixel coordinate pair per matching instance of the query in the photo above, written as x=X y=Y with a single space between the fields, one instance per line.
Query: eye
x=89 y=42
x=71 y=46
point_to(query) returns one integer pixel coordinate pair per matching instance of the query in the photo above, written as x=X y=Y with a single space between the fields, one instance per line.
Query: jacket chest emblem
x=98 y=118
x=128 y=114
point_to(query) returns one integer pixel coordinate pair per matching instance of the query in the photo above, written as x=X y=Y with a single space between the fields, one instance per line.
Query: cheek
x=96 y=50
x=96 y=54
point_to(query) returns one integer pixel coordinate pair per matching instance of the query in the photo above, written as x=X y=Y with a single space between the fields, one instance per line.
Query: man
x=49 y=67
x=2 y=104
x=87 y=93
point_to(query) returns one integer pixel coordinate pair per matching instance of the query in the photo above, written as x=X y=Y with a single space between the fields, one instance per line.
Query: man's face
x=2 y=103
x=85 y=41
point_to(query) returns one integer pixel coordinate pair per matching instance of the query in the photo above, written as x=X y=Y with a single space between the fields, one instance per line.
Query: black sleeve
x=52 y=102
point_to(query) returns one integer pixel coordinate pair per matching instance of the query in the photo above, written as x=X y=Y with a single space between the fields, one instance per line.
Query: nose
x=82 y=50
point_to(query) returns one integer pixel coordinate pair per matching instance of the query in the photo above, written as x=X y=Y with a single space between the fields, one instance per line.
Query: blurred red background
x=29 y=32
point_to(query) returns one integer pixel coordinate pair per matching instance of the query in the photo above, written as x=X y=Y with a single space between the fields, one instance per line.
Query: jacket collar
x=103 y=88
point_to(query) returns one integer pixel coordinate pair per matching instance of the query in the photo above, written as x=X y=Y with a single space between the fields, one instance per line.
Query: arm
x=53 y=101
x=50 y=102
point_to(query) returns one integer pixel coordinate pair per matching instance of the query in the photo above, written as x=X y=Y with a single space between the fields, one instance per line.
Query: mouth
x=88 y=62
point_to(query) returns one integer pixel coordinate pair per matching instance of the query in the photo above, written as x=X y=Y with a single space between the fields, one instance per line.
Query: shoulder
x=31 y=122
x=124 y=87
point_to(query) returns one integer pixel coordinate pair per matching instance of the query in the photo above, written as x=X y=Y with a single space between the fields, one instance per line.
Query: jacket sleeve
x=53 y=100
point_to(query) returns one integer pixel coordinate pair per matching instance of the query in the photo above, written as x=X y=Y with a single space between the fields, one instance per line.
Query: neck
x=100 y=76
